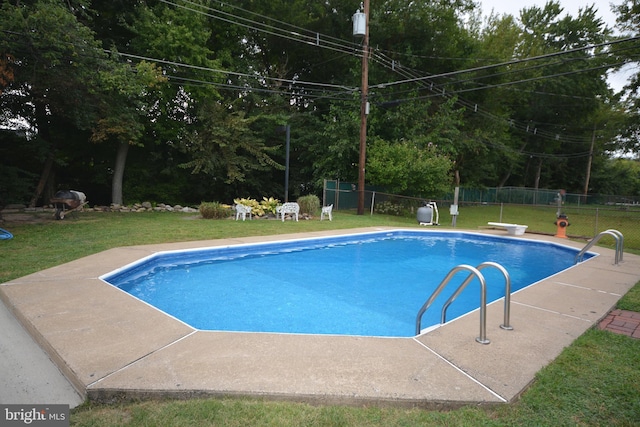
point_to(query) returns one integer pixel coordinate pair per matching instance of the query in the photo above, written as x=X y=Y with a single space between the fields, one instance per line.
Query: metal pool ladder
x=474 y=271
x=610 y=232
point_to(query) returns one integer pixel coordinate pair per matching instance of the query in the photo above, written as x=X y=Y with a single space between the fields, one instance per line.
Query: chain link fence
x=533 y=196
x=588 y=215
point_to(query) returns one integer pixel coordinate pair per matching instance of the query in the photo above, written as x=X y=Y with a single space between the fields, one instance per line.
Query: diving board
x=512 y=229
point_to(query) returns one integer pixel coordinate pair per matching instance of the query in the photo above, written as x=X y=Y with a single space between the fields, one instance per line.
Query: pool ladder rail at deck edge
x=474 y=272
x=617 y=235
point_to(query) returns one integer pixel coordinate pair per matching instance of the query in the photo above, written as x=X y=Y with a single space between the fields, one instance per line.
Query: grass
x=47 y=243
x=41 y=245
x=585 y=222
x=595 y=381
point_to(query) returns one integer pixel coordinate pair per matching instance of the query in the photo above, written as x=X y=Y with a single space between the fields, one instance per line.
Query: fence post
x=595 y=232
x=453 y=210
x=373 y=198
x=324 y=192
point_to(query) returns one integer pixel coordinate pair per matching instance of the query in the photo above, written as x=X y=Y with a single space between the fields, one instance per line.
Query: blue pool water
x=366 y=284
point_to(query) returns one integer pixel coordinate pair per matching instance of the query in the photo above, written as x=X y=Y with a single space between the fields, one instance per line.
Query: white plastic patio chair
x=326 y=210
x=242 y=211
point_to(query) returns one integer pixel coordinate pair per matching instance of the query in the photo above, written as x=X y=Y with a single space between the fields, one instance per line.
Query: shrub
x=269 y=205
x=214 y=210
x=256 y=208
x=389 y=208
x=309 y=204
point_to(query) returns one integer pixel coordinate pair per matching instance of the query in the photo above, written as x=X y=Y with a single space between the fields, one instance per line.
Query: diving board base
x=512 y=229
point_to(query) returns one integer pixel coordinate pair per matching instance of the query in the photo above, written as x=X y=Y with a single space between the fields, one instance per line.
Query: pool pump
x=428 y=214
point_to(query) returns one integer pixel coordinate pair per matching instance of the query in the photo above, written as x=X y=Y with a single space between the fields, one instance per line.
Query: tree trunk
x=589 y=162
x=118 y=173
x=44 y=177
x=505 y=178
x=503 y=181
x=44 y=134
x=538 y=174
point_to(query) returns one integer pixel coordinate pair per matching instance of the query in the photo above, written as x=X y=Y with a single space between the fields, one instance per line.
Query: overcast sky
x=571 y=7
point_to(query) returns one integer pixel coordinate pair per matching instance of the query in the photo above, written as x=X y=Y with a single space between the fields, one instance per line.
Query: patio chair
x=326 y=210
x=288 y=208
x=242 y=211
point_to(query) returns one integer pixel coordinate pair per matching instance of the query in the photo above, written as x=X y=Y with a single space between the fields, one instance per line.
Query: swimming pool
x=370 y=284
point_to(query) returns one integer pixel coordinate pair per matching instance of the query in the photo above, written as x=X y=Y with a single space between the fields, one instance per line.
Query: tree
x=488 y=151
x=550 y=109
x=619 y=176
x=335 y=153
x=174 y=41
x=128 y=94
x=53 y=59
x=403 y=167
x=628 y=21
x=192 y=90
x=72 y=84
x=225 y=145
x=413 y=144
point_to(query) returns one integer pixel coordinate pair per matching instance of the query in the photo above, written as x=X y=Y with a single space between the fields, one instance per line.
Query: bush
x=214 y=210
x=269 y=205
x=309 y=204
x=389 y=208
x=256 y=208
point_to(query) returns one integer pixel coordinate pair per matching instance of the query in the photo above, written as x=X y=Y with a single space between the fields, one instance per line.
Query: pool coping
x=112 y=346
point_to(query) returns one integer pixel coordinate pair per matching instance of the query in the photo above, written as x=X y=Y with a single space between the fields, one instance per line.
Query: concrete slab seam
x=460 y=370
x=139 y=359
x=588 y=289
x=551 y=311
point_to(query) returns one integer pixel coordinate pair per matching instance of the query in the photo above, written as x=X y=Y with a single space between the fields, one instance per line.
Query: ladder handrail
x=619 y=238
x=507 y=294
x=619 y=243
x=483 y=298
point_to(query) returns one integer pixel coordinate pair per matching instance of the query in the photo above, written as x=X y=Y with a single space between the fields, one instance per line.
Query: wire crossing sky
x=437 y=84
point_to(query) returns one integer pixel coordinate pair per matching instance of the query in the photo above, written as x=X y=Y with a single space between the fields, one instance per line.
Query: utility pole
x=364 y=110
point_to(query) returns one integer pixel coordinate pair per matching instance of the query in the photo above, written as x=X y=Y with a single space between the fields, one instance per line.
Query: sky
x=513 y=7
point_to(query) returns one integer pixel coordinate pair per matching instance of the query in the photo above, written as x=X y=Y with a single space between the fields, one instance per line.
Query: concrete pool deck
x=112 y=346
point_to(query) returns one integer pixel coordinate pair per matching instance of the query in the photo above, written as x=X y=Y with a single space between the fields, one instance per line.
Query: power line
x=439 y=90
x=287 y=35
x=233 y=73
x=314 y=39
x=414 y=78
x=497 y=85
x=303 y=87
x=512 y=62
x=524 y=128
x=245 y=88
x=310 y=39
x=312 y=35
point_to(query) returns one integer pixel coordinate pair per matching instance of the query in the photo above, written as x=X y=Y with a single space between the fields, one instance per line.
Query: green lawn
x=594 y=382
